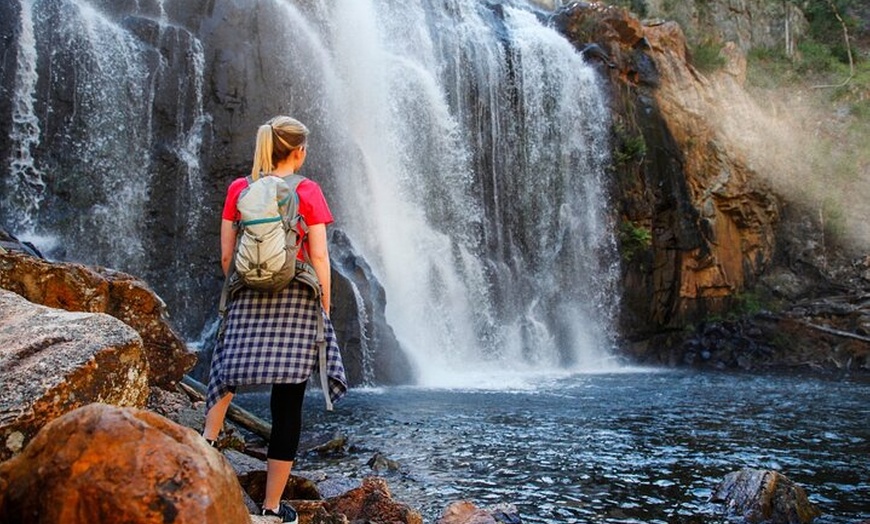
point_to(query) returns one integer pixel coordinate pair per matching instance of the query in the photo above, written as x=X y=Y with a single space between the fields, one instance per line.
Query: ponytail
x=263 y=152
x=289 y=133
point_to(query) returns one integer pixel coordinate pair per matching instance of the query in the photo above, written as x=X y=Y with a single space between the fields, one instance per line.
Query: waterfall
x=25 y=184
x=97 y=74
x=470 y=174
x=90 y=164
x=462 y=146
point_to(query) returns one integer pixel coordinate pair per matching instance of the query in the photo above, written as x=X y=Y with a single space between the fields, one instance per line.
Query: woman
x=271 y=337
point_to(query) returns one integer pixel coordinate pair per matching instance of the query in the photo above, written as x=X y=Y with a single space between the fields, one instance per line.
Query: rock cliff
x=702 y=220
x=704 y=225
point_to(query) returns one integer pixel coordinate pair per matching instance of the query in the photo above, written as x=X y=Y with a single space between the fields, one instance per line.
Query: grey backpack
x=269 y=237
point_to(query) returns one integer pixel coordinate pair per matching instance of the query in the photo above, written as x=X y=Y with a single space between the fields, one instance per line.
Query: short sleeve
x=231 y=211
x=312 y=203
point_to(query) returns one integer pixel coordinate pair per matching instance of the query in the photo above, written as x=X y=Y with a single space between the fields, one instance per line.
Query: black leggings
x=286 y=406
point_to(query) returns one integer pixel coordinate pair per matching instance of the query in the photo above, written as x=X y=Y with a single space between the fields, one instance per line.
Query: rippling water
x=625 y=447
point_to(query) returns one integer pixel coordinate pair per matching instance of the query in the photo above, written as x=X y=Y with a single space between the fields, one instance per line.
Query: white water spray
x=461 y=144
x=488 y=231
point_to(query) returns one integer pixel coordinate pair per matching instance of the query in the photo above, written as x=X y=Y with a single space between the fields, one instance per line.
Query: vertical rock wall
x=698 y=226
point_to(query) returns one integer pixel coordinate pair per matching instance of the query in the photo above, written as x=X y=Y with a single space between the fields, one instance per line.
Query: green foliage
x=631 y=146
x=637 y=7
x=861 y=110
x=748 y=303
x=707 y=57
x=815 y=57
x=633 y=240
x=768 y=69
x=826 y=29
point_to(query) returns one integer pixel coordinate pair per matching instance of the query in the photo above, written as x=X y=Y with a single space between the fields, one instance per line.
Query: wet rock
x=380 y=462
x=53 y=362
x=337 y=445
x=464 y=512
x=373 y=501
x=103 y=463
x=331 y=487
x=75 y=287
x=359 y=302
x=764 y=496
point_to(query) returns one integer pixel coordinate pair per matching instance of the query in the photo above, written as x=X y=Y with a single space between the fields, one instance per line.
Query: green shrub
x=815 y=57
x=835 y=218
x=633 y=240
x=748 y=303
x=707 y=57
x=638 y=7
x=631 y=146
x=768 y=69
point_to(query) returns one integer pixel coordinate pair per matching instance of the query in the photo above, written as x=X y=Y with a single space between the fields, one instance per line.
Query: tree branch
x=848 y=48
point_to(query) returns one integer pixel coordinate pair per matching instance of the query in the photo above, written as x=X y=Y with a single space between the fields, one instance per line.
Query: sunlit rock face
x=701 y=219
x=53 y=361
x=749 y=24
x=103 y=463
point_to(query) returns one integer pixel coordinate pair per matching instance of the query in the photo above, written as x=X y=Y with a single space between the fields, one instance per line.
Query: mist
x=813 y=152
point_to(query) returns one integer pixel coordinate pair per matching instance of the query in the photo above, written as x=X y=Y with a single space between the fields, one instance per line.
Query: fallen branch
x=197 y=391
x=832 y=331
x=823 y=329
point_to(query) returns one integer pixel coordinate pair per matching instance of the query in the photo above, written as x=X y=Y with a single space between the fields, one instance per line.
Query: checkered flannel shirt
x=271 y=338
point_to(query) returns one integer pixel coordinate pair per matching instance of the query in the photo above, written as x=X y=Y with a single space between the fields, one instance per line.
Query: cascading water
x=85 y=158
x=478 y=137
x=461 y=144
x=104 y=165
x=25 y=185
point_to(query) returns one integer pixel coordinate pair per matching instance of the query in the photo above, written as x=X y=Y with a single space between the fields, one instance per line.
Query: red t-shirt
x=312 y=203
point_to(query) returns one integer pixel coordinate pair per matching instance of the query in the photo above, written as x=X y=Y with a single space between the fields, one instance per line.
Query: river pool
x=635 y=446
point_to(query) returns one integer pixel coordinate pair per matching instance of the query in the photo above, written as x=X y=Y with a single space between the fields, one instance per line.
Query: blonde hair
x=276 y=139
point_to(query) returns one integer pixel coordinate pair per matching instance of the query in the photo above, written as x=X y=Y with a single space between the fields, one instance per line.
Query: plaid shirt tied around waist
x=272 y=338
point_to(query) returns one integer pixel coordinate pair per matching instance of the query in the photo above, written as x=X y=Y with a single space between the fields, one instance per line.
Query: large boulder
x=764 y=496
x=52 y=362
x=103 y=463
x=76 y=287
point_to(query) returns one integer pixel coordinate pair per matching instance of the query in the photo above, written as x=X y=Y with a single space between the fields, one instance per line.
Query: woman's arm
x=318 y=252
x=228 y=244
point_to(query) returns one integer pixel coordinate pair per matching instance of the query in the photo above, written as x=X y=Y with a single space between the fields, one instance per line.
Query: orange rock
x=75 y=287
x=464 y=512
x=103 y=463
x=373 y=501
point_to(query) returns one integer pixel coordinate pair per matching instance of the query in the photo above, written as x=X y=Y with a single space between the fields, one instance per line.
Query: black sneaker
x=285 y=511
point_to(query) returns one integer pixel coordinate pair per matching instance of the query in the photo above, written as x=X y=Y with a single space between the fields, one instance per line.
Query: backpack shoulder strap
x=294 y=180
